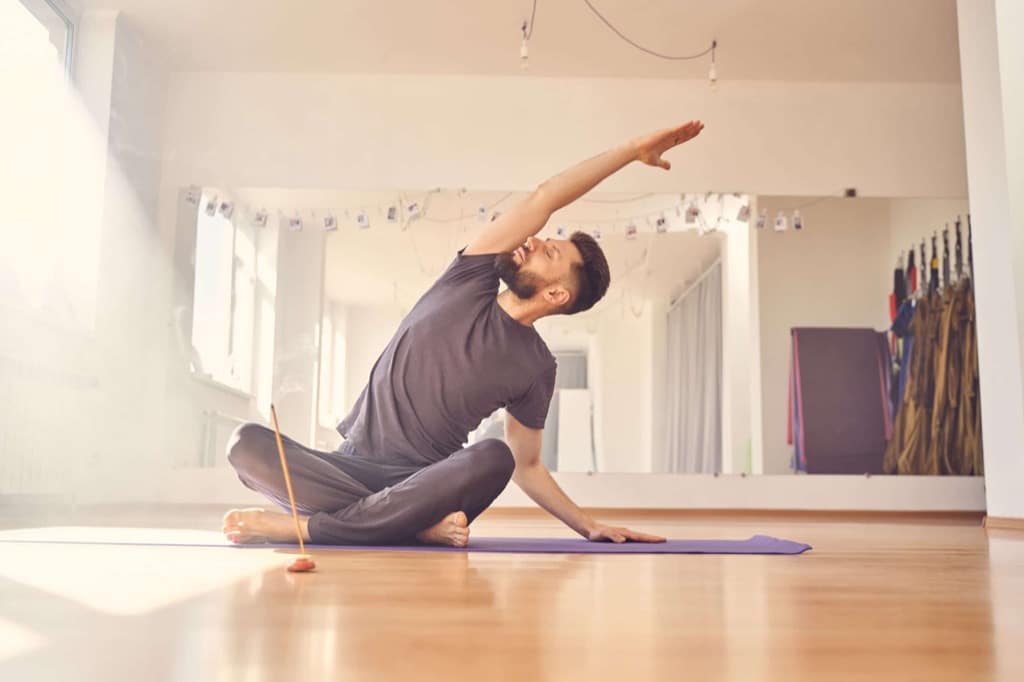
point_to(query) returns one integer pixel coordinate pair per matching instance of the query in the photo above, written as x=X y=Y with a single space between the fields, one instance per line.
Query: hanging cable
x=714 y=43
x=528 y=27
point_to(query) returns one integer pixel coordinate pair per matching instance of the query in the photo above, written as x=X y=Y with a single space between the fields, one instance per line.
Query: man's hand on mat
x=651 y=147
x=603 y=533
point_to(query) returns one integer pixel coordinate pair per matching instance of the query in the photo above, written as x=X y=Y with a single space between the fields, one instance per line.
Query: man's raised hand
x=651 y=147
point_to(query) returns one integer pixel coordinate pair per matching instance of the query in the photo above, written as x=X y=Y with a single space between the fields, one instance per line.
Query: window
x=36 y=32
x=49 y=262
x=332 y=365
x=224 y=298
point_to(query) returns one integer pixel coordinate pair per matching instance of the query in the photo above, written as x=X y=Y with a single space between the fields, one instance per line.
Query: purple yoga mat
x=179 y=537
x=757 y=544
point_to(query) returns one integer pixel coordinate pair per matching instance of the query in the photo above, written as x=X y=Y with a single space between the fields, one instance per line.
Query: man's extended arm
x=527 y=217
x=534 y=478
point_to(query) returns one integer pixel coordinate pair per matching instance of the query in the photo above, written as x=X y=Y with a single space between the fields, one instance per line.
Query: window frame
x=65 y=15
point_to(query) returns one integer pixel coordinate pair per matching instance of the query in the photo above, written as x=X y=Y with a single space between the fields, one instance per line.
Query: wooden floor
x=891 y=599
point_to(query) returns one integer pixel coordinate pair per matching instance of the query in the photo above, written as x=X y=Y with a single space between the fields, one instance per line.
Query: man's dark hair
x=591 y=276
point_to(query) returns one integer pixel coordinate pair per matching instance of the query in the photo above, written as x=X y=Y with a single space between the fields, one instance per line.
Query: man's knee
x=495 y=456
x=249 y=448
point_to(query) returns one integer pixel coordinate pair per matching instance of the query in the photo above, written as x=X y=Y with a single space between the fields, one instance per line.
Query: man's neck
x=519 y=310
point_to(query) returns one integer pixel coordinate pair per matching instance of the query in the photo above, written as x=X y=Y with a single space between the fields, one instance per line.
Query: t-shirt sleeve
x=471 y=277
x=475 y=271
x=531 y=408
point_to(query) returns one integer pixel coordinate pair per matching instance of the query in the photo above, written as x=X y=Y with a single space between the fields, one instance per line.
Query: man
x=462 y=352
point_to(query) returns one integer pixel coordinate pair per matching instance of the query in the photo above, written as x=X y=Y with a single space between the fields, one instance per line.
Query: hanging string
x=641 y=47
x=528 y=27
x=461 y=217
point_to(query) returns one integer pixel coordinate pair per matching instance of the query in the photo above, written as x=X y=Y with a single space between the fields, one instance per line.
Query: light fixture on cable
x=524 y=51
x=713 y=72
x=524 y=47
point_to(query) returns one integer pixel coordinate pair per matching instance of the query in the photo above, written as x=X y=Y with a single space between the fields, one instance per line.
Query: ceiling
x=791 y=40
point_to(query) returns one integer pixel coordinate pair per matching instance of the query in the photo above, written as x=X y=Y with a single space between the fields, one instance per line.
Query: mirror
x=382 y=250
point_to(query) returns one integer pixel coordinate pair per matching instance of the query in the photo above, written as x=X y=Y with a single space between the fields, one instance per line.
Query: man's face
x=537 y=265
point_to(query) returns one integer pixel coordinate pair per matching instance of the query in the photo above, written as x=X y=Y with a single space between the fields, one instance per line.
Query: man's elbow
x=525 y=464
x=541 y=198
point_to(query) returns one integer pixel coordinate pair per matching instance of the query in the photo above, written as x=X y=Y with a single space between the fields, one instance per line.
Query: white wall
x=109 y=352
x=366 y=132
x=379 y=132
x=992 y=74
x=369 y=330
x=622 y=411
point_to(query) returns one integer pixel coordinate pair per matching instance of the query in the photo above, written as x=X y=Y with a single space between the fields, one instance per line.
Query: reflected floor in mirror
x=880 y=597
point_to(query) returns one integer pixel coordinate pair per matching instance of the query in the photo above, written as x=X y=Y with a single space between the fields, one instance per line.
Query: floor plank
x=877 y=598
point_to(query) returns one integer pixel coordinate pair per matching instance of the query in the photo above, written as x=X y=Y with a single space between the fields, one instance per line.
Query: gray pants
x=357 y=500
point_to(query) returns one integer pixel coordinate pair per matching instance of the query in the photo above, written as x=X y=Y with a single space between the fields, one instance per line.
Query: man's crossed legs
x=353 y=500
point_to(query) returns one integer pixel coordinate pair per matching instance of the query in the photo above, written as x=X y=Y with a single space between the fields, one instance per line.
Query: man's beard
x=523 y=284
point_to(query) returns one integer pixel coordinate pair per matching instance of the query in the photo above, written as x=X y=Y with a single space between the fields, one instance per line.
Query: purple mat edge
x=754 y=545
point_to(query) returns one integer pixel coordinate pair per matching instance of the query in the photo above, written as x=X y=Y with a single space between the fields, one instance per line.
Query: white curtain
x=694 y=405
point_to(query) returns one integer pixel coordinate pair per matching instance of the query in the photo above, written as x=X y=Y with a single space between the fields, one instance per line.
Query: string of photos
x=703 y=213
x=935 y=396
x=784 y=218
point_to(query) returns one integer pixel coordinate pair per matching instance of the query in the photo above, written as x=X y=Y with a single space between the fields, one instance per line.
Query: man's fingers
x=664 y=164
x=644 y=537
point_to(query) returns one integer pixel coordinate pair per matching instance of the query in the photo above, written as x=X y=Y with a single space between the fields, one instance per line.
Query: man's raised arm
x=527 y=217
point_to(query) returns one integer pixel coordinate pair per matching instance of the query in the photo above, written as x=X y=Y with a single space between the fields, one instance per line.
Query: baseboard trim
x=803 y=515
x=1003 y=523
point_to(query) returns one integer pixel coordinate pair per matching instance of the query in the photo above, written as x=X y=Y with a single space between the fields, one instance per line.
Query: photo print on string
x=781 y=223
x=260 y=218
x=762 y=218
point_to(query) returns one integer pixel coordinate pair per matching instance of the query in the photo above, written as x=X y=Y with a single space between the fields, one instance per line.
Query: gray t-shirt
x=455 y=359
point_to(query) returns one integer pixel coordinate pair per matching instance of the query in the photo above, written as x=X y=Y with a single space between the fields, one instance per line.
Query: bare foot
x=452 y=530
x=254 y=525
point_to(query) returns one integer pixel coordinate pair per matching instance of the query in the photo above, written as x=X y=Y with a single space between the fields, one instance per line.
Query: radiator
x=44 y=413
